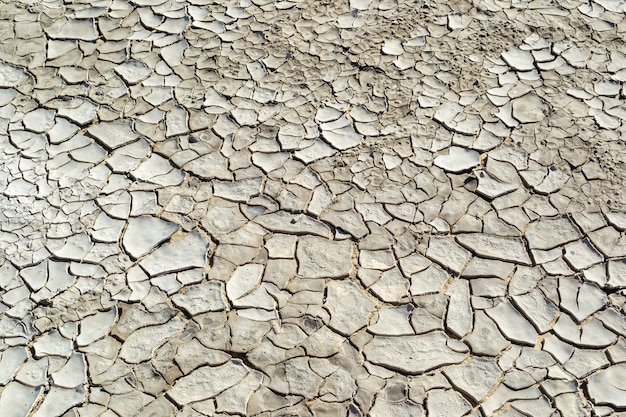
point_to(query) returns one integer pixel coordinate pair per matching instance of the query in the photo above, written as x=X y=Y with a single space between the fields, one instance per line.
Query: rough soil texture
x=312 y=208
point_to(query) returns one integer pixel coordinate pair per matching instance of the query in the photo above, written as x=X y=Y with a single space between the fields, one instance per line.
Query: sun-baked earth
x=312 y=208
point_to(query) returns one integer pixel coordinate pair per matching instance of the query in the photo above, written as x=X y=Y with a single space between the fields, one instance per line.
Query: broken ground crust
x=363 y=208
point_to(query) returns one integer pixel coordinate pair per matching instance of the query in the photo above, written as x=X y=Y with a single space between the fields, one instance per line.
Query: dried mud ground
x=312 y=208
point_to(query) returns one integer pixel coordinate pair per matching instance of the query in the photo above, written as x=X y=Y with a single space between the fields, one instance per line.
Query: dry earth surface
x=312 y=208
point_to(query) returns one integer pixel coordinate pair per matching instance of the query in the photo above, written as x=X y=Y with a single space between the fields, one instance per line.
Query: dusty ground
x=297 y=208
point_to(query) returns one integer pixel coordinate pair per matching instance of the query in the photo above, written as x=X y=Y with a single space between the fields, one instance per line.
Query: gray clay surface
x=312 y=208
